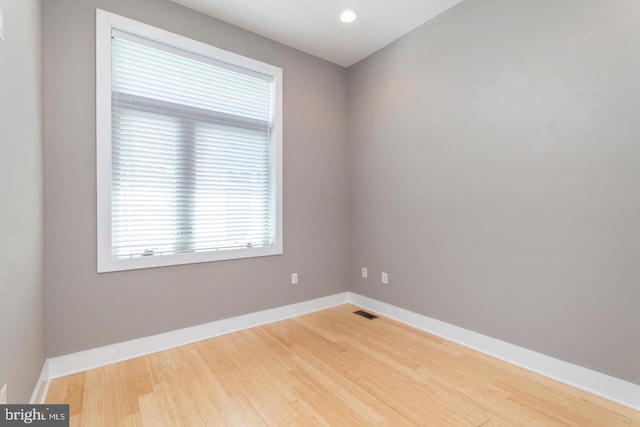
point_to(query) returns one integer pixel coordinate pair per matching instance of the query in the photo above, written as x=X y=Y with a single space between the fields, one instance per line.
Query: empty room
x=320 y=212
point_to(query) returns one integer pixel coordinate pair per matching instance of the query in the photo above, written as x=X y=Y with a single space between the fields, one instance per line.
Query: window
x=189 y=150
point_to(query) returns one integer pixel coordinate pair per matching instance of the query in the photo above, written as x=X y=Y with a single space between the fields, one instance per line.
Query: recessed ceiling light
x=348 y=16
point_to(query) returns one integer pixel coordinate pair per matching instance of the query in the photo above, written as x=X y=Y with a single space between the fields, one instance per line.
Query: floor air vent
x=365 y=314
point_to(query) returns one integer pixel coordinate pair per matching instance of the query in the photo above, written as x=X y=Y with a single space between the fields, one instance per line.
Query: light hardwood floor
x=327 y=368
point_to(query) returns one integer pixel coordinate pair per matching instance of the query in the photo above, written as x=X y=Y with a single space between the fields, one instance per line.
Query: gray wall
x=495 y=174
x=22 y=330
x=86 y=310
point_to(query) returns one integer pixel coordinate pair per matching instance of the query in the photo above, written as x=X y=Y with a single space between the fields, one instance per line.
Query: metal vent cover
x=365 y=314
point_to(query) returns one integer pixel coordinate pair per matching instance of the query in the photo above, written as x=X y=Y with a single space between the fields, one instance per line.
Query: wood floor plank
x=57 y=392
x=93 y=398
x=231 y=399
x=111 y=406
x=328 y=368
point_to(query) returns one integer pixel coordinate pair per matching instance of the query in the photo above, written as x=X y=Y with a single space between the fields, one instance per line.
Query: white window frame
x=105 y=23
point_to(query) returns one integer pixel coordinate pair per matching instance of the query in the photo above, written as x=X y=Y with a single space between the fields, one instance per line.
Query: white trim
x=608 y=387
x=42 y=387
x=103 y=134
x=93 y=358
x=106 y=22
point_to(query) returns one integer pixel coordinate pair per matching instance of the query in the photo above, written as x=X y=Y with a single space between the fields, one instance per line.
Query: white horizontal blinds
x=191 y=158
x=144 y=175
x=233 y=198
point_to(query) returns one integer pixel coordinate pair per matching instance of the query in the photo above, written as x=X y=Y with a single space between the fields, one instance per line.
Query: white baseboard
x=606 y=386
x=42 y=387
x=93 y=358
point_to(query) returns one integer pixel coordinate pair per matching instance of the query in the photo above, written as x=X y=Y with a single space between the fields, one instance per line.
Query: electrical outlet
x=3 y=395
x=365 y=273
x=384 y=278
x=294 y=278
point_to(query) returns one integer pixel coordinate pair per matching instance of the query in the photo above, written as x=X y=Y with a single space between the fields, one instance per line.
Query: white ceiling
x=313 y=26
